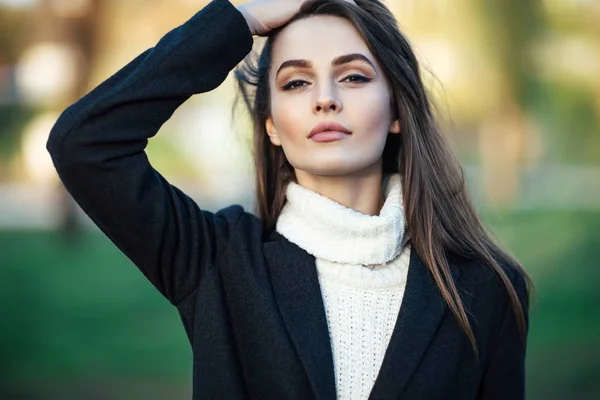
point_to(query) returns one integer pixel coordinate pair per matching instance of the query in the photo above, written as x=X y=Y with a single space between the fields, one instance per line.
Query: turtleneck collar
x=331 y=231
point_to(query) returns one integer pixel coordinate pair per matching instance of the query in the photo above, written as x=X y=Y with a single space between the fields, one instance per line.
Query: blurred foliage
x=166 y=157
x=512 y=26
x=80 y=308
x=567 y=115
x=14 y=118
x=13 y=34
x=560 y=250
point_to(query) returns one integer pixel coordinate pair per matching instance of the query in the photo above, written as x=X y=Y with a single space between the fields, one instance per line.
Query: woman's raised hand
x=265 y=15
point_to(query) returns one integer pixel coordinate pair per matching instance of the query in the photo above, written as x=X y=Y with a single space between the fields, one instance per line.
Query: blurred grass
x=561 y=251
x=80 y=311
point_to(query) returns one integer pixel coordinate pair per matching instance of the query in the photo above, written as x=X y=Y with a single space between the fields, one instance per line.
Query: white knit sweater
x=362 y=263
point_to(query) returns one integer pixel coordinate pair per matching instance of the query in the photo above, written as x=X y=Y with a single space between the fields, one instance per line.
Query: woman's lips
x=328 y=131
x=328 y=136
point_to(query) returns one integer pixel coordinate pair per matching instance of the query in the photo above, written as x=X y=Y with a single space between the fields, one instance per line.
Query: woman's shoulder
x=240 y=223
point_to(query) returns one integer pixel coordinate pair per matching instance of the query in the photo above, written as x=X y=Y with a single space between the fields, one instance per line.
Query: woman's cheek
x=377 y=116
x=291 y=122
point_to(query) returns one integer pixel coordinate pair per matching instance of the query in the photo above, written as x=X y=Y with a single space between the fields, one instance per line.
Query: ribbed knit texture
x=362 y=265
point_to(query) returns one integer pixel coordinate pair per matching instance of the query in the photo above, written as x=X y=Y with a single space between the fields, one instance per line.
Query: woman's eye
x=299 y=83
x=358 y=78
x=293 y=84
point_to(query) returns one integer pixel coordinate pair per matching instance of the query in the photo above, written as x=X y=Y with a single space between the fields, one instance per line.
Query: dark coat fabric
x=250 y=302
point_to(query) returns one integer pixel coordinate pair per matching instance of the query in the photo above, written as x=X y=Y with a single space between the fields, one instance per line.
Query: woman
x=368 y=273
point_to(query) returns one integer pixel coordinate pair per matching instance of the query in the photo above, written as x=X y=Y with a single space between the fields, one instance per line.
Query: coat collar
x=297 y=291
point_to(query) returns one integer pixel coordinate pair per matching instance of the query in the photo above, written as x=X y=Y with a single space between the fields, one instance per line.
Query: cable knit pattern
x=362 y=265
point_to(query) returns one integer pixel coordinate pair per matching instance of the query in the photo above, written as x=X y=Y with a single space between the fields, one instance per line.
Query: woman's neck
x=360 y=191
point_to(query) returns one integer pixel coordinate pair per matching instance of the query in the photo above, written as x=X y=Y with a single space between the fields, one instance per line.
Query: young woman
x=367 y=273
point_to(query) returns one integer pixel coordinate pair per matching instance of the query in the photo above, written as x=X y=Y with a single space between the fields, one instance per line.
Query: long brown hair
x=440 y=216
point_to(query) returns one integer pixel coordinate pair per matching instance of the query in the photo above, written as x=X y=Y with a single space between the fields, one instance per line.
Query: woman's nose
x=327 y=101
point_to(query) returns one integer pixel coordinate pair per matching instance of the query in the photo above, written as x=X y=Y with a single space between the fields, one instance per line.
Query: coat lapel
x=421 y=313
x=298 y=293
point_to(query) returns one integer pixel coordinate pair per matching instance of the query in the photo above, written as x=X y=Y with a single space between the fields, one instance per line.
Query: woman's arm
x=98 y=143
x=504 y=376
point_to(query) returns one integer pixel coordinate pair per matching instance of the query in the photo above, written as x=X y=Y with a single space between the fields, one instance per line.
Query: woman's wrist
x=250 y=20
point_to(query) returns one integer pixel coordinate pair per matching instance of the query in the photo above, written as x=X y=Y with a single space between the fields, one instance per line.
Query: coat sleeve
x=504 y=376
x=98 y=149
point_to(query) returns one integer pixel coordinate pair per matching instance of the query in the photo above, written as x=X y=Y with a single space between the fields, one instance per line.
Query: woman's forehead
x=319 y=39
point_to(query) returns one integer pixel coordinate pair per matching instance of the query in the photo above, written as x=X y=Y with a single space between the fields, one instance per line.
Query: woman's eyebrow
x=336 y=62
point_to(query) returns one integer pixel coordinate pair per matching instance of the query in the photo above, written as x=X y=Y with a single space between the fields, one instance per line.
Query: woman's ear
x=272 y=132
x=395 y=126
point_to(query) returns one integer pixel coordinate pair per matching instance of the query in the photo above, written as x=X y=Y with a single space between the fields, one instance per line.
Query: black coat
x=252 y=307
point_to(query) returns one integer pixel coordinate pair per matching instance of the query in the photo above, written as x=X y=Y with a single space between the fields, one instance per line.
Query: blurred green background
x=517 y=84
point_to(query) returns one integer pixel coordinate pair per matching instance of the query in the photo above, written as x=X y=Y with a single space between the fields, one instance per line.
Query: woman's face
x=322 y=71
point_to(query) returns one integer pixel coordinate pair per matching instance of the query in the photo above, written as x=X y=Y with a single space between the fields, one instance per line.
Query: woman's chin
x=337 y=168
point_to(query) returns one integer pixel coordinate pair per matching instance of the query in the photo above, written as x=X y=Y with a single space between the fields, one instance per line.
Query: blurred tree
x=76 y=25
x=594 y=22
x=512 y=26
x=567 y=102
x=13 y=116
x=12 y=35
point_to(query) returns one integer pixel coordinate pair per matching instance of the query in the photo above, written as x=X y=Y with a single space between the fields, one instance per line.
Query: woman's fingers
x=265 y=15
